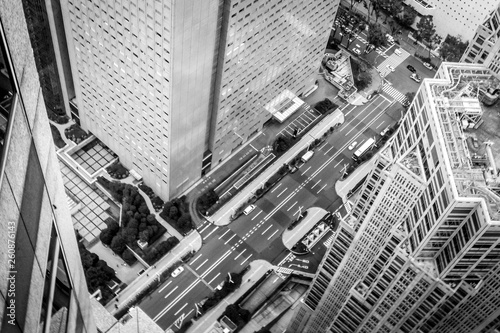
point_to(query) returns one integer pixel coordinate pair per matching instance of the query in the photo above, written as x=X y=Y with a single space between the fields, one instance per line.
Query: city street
x=258 y=235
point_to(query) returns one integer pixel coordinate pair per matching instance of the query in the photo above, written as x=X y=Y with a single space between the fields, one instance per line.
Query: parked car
x=415 y=77
x=177 y=271
x=249 y=209
x=411 y=68
x=353 y=145
x=369 y=48
x=390 y=68
x=406 y=103
x=428 y=66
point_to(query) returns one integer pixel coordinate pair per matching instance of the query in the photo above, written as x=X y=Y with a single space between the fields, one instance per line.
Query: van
x=398 y=52
x=307 y=156
x=249 y=209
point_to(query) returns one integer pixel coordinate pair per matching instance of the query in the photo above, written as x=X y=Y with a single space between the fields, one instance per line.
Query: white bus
x=364 y=147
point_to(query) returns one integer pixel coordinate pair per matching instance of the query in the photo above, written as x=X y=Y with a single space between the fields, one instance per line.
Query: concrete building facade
x=42 y=283
x=485 y=45
x=426 y=251
x=455 y=17
x=174 y=86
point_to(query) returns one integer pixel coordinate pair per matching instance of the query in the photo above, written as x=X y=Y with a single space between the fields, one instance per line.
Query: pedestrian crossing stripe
x=394 y=93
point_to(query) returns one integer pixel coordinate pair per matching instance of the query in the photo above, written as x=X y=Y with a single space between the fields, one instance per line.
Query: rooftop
x=470 y=129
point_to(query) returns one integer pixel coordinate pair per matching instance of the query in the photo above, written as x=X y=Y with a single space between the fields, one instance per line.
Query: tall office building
x=455 y=17
x=46 y=30
x=425 y=255
x=485 y=45
x=42 y=284
x=173 y=86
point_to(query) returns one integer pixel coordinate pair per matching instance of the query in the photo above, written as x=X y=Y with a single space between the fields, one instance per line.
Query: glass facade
x=42 y=283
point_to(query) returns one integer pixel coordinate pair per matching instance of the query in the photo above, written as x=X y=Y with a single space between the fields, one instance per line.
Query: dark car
x=411 y=68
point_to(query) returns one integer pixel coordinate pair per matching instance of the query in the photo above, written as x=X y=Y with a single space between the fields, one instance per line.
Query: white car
x=249 y=209
x=389 y=67
x=177 y=271
x=357 y=51
x=415 y=77
x=428 y=66
x=351 y=147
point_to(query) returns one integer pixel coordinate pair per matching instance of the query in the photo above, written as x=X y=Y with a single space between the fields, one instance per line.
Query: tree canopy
x=376 y=36
x=452 y=48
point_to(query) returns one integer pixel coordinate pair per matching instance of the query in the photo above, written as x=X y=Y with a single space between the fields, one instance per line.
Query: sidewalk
x=222 y=217
x=191 y=242
x=342 y=187
x=208 y=322
x=290 y=237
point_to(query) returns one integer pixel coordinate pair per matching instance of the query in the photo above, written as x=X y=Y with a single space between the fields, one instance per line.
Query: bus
x=363 y=149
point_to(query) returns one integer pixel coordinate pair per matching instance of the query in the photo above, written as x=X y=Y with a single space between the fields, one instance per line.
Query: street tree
x=452 y=48
x=409 y=16
x=426 y=31
x=352 y=3
x=376 y=36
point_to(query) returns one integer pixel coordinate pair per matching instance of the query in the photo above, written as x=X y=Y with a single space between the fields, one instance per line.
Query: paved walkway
x=191 y=242
x=342 y=187
x=208 y=322
x=222 y=217
x=291 y=237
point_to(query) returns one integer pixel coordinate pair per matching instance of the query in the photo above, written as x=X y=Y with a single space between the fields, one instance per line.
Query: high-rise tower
x=425 y=255
x=42 y=284
x=173 y=86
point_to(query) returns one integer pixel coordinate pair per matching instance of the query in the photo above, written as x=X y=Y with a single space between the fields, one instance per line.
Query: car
x=177 y=271
x=369 y=48
x=141 y=271
x=411 y=68
x=384 y=131
x=249 y=209
x=389 y=67
x=219 y=286
x=357 y=51
x=415 y=77
x=353 y=145
x=398 y=52
x=406 y=103
x=428 y=66
x=293 y=169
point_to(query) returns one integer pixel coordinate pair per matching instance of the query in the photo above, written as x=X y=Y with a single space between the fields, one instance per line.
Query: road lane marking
x=257 y=215
x=316 y=184
x=266 y=229
x=305 y=171
x=383 y=121
x=338 y=163
x=326 y=152
x=246 y=259
x=203 y=263
x=292 y=206
x=165 y=286
x=215 y=264
x=208 y=225
x=171 y=304
x=240 y=254
x=198 y=257
x=210 y=233
x=171 y=291
x=224 y=233
x=274 y=189
x=282 y=192
x=214 y=278
x=175 y=314
x=274 y=233
x=321 y=189
x=229 y=239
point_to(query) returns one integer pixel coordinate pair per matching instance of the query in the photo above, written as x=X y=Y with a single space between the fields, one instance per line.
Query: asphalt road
x=258 y=235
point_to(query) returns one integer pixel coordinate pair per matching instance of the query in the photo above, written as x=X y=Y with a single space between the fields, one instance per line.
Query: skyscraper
x=425 y=255
x=43 y=287
x=454 y=17
x=485 y=45
x=174 y=86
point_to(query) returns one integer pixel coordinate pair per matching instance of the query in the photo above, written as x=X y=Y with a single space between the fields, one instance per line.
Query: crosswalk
x=394 y=93
x=394 y=60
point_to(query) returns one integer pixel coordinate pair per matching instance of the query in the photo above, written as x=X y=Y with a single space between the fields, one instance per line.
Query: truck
x=363 y=149
x=307 y=156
